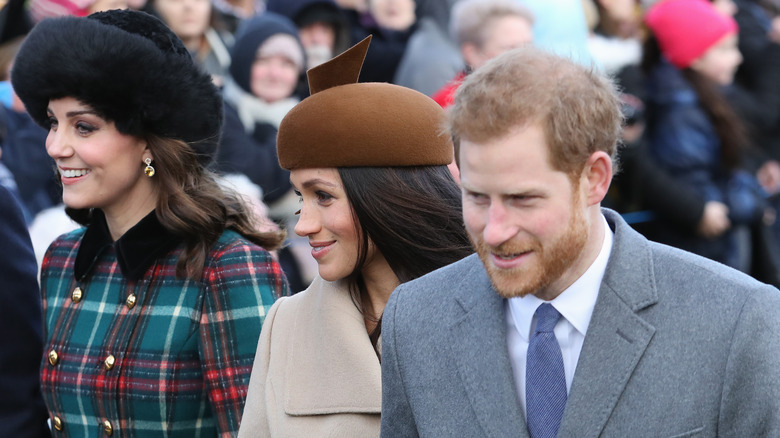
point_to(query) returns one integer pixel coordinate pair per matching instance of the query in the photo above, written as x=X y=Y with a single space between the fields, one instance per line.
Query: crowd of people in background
x=715 y=198
x=698 y=166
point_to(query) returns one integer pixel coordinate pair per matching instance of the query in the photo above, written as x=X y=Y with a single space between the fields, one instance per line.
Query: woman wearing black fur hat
x=152 y=312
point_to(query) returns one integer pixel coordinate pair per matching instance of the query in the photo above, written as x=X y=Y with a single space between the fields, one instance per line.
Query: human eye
x=323 y=196
x=84 y=128
x=52 y=123
x=476 y=198
x=288 y=63
x=523 y=199
x=261 y=61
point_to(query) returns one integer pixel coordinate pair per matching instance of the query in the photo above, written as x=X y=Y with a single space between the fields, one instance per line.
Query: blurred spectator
x=614 y=42
x=397 y=15
x=197 y=24
x=431 y=58
x=616 y=48
x=757 y=75
x=233 y=12
x=268 y=62
x=391 y=23
x=22 y=412
x=23 y=153
x=695 y=134
x=322 y=27
x=267 y=68
x=484 y=29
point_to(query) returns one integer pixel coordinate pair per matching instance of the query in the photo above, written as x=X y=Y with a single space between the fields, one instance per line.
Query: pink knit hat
x=685 y=29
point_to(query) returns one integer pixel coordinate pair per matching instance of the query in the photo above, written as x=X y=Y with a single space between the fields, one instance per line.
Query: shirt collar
x=136 y=250
x=576 y=302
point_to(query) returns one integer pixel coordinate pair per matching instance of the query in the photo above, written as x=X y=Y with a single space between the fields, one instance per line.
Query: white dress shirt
x=575 y=304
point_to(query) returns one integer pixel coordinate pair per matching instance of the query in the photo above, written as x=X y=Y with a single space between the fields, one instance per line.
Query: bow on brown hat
x=348 y=124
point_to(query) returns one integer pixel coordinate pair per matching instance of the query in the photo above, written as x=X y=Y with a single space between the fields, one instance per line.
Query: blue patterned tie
x=545 y=380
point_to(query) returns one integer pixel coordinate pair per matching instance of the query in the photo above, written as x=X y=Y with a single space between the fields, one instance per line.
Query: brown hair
x=578 y=108
x=725 y=121
x=192 y=205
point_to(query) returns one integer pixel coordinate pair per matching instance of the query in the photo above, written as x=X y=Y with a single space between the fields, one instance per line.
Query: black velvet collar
x=136 y=250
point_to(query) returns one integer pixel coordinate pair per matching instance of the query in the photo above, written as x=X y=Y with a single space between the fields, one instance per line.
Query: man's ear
x=597 y=174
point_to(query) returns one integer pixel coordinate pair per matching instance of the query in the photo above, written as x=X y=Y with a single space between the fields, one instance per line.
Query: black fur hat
x=128 y=67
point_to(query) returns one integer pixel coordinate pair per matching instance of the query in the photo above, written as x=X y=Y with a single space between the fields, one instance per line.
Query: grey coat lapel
x=617 y=337
x=478 y=344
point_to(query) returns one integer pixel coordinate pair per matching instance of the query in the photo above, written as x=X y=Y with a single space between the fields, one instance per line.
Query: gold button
x=109 y=362
x=130 y=301
x=76 y=297
x=53 y=358
x=108 y=428
x=57 y=423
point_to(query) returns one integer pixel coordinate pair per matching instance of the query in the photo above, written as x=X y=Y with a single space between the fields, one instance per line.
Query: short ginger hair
x=577 y=107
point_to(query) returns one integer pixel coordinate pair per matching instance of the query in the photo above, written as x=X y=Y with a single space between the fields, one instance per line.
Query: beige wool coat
x=315 y=373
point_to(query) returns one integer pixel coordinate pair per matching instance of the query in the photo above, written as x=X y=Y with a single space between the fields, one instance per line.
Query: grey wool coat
x=678 y=346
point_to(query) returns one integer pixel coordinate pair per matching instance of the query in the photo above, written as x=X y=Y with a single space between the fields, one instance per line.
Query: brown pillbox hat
x=348 y=124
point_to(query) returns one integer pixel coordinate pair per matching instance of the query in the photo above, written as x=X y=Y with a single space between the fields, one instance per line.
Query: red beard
x=550 y=261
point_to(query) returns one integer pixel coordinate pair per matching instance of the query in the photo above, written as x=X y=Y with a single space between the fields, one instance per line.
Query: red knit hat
x=685 y=29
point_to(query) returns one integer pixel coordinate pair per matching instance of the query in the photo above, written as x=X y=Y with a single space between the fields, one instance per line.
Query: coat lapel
x=617 y=337
x=478 y=345
x=333 y=368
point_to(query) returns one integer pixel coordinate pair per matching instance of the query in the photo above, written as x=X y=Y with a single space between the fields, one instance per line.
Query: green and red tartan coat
x=138 y=351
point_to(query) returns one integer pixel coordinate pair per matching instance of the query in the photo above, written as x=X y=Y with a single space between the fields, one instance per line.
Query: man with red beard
x=567 y=322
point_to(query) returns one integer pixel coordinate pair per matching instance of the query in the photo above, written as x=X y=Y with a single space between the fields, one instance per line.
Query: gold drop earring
x=148 y=170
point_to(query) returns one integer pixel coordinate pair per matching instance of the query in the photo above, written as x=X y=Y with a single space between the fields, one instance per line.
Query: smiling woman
x=153 y=310
x=98 y=165
x=379 y=207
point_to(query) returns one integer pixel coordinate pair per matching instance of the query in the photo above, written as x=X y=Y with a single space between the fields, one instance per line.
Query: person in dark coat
x=390 y=23
x=322 y=27
x=266 y=71
x=23 y=153
x=693 y=133
x=22 y=412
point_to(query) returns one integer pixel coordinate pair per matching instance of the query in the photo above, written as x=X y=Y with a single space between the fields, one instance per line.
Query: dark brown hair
x=192 y=205
x=727 y=124
x=413 y=217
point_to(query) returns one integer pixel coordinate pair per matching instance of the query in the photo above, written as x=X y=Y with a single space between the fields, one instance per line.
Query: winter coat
x=23 y=145
x=134 y=350
x=446 y=94
x=248 y=144
x=683 y=141
x=386 y=49
x=21 y=407
x=316 y=373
